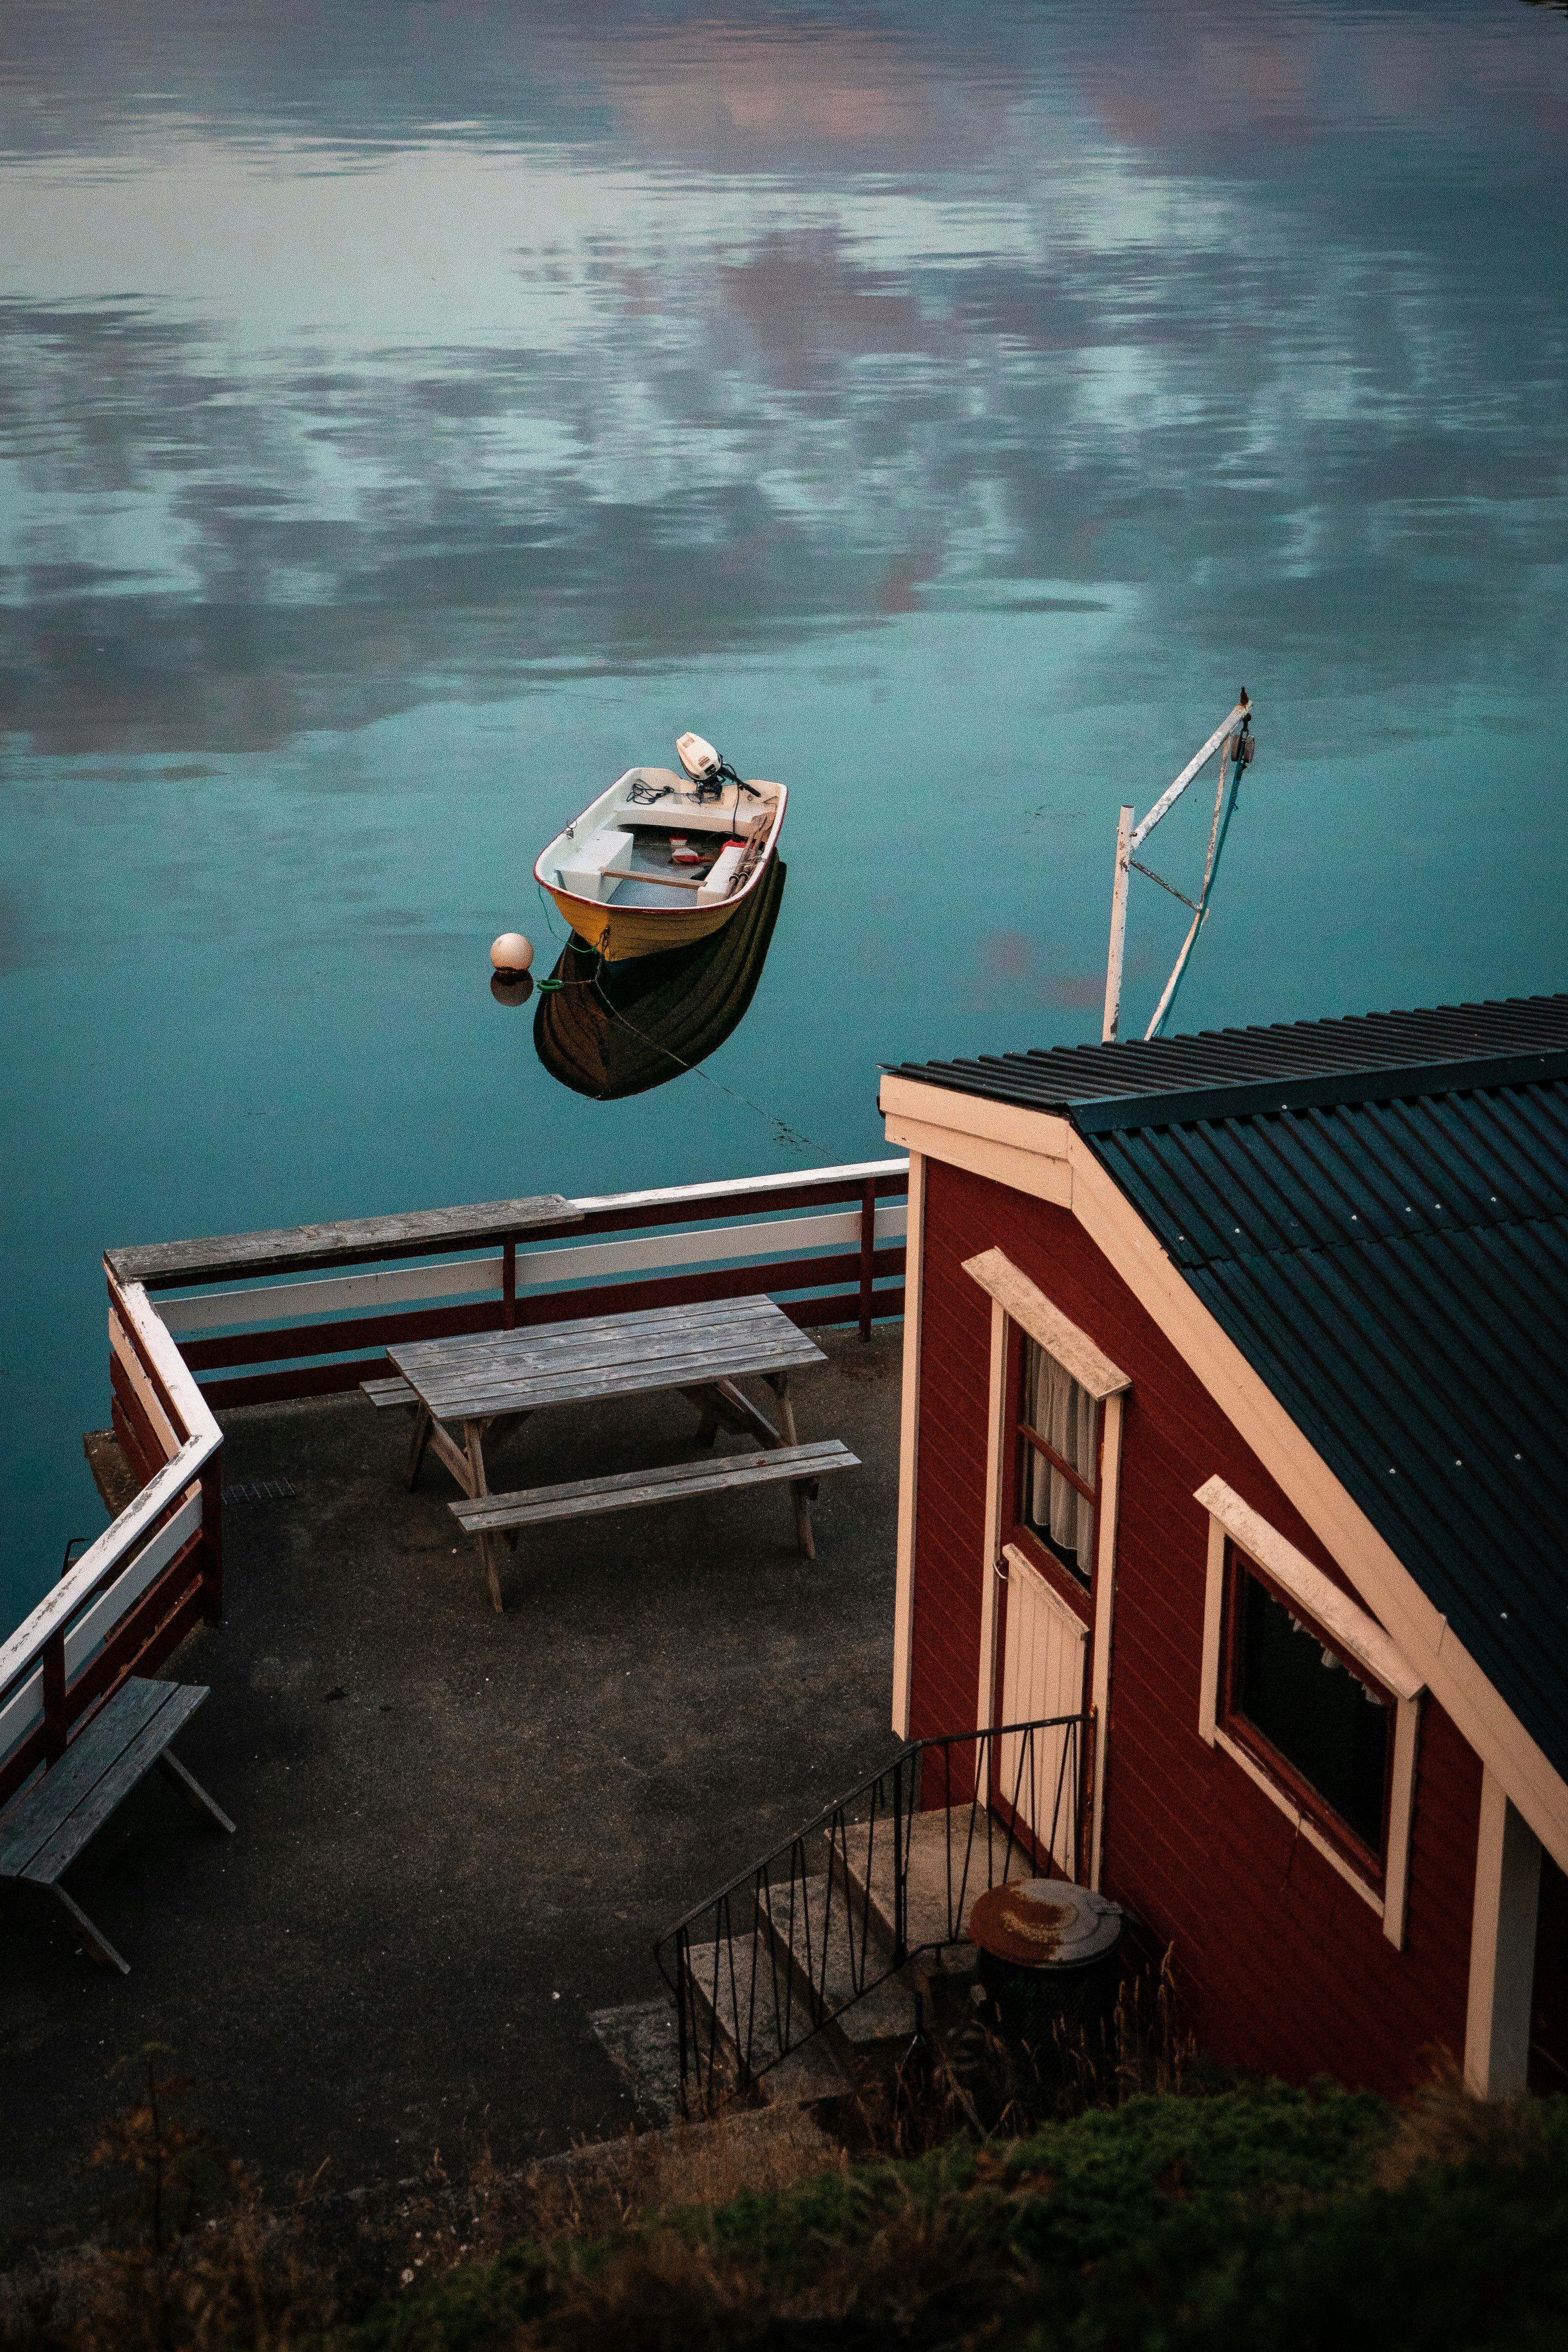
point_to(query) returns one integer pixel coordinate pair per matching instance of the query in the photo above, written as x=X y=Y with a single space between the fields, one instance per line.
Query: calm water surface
x=410 y=415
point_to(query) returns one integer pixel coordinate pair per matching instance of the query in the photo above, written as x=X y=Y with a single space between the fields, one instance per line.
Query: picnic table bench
x=492 y=1382
x=625 y=1489
x=46 y=1828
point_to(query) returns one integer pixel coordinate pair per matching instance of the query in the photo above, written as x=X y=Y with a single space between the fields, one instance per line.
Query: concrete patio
x=458 y=1833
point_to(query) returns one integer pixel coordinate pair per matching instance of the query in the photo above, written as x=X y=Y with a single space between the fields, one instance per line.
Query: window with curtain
x=1059 y=1461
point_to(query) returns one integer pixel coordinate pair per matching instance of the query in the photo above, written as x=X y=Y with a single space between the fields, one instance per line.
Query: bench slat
x=35 y=1815
x=383 y=1393
x=581 y=1497
x=116 y=1785
x=61 y=1812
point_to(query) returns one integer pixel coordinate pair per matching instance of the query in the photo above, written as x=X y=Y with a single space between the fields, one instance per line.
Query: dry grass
x=194 y=2260
x=676 y=2290
x=969 y=2079
x=1445 y=2123
x=742 y=2151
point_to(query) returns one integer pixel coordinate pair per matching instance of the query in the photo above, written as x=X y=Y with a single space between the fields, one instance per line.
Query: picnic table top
x=601 y=1356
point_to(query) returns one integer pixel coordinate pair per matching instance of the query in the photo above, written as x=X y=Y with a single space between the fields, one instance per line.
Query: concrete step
x=953 y=1858
x=641 y=2041
x=812 y=1938
x=752 y=1986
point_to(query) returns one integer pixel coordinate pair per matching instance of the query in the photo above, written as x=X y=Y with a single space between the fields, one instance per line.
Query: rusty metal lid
x=1045 y=1923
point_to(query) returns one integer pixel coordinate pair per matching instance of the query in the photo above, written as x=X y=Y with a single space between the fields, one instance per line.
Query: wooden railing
x=828 y=1245
x=132 y=1597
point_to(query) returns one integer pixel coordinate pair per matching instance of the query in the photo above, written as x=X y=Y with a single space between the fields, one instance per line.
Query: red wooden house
x=1236 y=1397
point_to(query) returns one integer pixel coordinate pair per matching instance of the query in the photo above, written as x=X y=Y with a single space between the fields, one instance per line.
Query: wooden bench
x=580 y=1498
x=44 y=1830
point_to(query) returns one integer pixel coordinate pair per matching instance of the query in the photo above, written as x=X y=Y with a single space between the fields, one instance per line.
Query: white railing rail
x=606 y=1252
x=80 y=1616
x=544 y=1267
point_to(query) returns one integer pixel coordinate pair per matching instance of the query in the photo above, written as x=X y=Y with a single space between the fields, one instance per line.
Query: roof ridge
x=1346 y=1059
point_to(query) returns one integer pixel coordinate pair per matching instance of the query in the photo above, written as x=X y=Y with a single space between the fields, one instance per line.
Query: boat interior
x=651 y=841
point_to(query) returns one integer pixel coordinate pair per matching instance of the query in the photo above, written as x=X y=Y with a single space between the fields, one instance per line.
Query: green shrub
x=1252 y=2216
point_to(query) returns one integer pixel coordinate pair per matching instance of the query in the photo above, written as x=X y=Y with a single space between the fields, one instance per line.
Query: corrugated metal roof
x=1368 y=1055
x=1394 y=1264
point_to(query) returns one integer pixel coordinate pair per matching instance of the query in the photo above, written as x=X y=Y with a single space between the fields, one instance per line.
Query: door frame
x=1102 y=1590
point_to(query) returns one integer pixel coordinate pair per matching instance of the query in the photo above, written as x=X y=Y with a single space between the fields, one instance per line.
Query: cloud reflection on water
x=675 y=339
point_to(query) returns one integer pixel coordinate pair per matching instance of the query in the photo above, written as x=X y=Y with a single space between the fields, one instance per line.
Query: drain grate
x=261 y=1490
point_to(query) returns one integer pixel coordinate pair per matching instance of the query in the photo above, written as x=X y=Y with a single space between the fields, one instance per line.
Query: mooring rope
x=782 y=1131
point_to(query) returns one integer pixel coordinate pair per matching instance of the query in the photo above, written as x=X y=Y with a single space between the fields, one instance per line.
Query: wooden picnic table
x=488 y=1384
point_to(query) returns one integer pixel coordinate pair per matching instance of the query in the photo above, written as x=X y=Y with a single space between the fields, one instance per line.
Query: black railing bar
x=761 y=1939
x=1024 y=1750
x=900 y=1871
x=681 y=2045
x=839 y=1893
x=948 y=1817
x=821 y=1821
x=878 y=1812
x=727 y=1947
x=819 y=1989
x=982 y=1750
x=786 y=1959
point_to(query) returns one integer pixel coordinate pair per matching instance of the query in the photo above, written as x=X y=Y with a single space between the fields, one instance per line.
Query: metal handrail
x=758 y=1968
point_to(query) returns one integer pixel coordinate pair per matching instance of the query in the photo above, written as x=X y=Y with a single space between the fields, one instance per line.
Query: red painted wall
x=1283 y=1966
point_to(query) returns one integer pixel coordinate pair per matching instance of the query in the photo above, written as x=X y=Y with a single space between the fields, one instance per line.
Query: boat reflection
x=611 y=1030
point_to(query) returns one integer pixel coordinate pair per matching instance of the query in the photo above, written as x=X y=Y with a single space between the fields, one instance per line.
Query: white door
x=1043 y=1658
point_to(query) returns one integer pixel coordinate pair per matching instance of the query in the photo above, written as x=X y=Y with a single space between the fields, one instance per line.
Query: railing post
x=1086 y=1743
x=683 y=1992
x=509 y=1284
x=55 y=1698
x=868 y=1251
x=212 y=1539
x=900 y=1878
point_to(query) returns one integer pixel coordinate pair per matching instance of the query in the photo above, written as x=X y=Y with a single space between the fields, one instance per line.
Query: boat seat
x=583 y=863
x=721 y=875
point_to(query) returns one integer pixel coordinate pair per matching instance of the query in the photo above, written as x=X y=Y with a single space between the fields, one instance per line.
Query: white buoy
x=511 y=954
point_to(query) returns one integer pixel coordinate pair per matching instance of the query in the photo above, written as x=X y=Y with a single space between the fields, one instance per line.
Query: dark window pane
x=1322 y=1719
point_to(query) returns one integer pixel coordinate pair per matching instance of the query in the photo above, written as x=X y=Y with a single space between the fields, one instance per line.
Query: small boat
x=611 y=1030
x=662 y=860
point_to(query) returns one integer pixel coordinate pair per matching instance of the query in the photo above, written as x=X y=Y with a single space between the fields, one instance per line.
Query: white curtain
x=1065 y=1415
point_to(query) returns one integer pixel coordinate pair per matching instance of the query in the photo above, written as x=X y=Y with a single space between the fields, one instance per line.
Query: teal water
x=413 y=412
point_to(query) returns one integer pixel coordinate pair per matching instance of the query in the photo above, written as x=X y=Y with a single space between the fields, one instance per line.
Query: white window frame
x=1016 y=1299
x=1349 y=1627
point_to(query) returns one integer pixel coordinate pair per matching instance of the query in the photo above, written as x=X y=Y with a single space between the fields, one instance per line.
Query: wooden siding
x=1283 y=1966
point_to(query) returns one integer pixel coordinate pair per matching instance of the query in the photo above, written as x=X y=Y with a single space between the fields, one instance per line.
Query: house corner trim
x=908 y=1452
x=1502 y=1946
